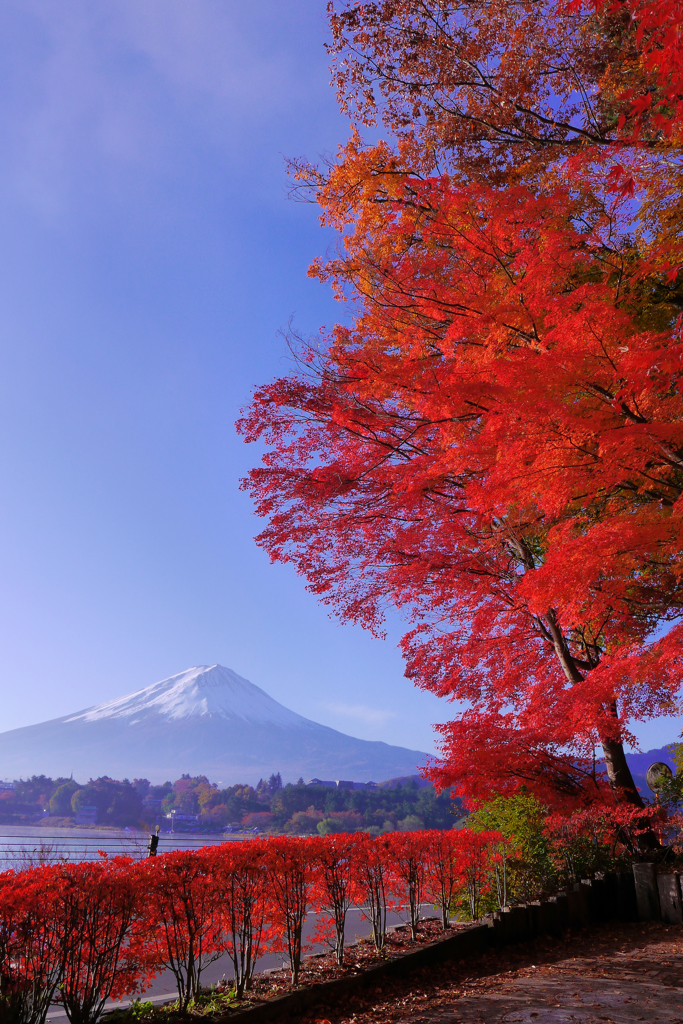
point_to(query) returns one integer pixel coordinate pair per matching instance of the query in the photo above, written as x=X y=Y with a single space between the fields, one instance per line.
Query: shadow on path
x=614 y=973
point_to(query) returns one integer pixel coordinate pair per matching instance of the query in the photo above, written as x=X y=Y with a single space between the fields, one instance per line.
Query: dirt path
x=619 y=974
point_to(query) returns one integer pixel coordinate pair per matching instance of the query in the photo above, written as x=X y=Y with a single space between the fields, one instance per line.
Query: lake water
x=22 y=845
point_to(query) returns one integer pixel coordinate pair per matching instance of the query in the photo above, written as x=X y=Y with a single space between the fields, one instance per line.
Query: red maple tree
x=494 y=443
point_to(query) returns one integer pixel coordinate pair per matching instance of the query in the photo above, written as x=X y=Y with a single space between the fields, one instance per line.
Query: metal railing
x=18 y=852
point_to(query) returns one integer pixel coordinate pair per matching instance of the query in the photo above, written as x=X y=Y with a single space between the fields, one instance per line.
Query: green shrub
x=529 y=869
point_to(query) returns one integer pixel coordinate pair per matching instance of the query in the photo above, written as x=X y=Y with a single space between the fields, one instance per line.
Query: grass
x=208 y=1002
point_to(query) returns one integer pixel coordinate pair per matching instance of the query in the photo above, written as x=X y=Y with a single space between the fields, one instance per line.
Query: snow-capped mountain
x=207 y=690
x=205 y=721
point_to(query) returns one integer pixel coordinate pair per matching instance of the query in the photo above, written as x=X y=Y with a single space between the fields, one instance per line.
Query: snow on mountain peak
x=204 y=690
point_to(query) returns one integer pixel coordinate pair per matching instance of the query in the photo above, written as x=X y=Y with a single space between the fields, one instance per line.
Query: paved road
x=163 y=990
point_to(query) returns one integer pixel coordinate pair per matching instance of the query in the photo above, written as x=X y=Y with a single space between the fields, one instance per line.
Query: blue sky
x=149 y=258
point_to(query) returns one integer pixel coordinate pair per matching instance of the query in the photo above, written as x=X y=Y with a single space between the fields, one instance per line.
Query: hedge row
x=80 y=934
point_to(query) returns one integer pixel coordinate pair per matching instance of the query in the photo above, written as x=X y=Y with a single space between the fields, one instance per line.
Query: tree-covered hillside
x=293 y=809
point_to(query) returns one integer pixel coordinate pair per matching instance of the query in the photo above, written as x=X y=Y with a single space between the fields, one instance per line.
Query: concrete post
x=591 y=899
x=578 y=906
x=514 y=926
x=611 y=888
x=533 y=910
x=549 y=918
x=647 y=892
x=562 y=902
x=669 y=891
x=627 y=909
x=600 y=901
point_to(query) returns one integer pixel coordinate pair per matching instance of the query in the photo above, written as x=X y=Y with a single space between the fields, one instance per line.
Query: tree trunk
x=619 y=774
x=624 y=789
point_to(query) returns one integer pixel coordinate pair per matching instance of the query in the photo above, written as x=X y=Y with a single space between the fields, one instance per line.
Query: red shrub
x=31 y=953
x=441 y=870
x=373 y=876
x=597 y=838
x=96 y=905
x=292 y=870
x=476 y=853
x=407 y=856
x=182 y=923
x=336 y=887
x=240 y=873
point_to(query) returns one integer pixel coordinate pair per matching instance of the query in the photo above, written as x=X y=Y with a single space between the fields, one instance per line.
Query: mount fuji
x=205 y=721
